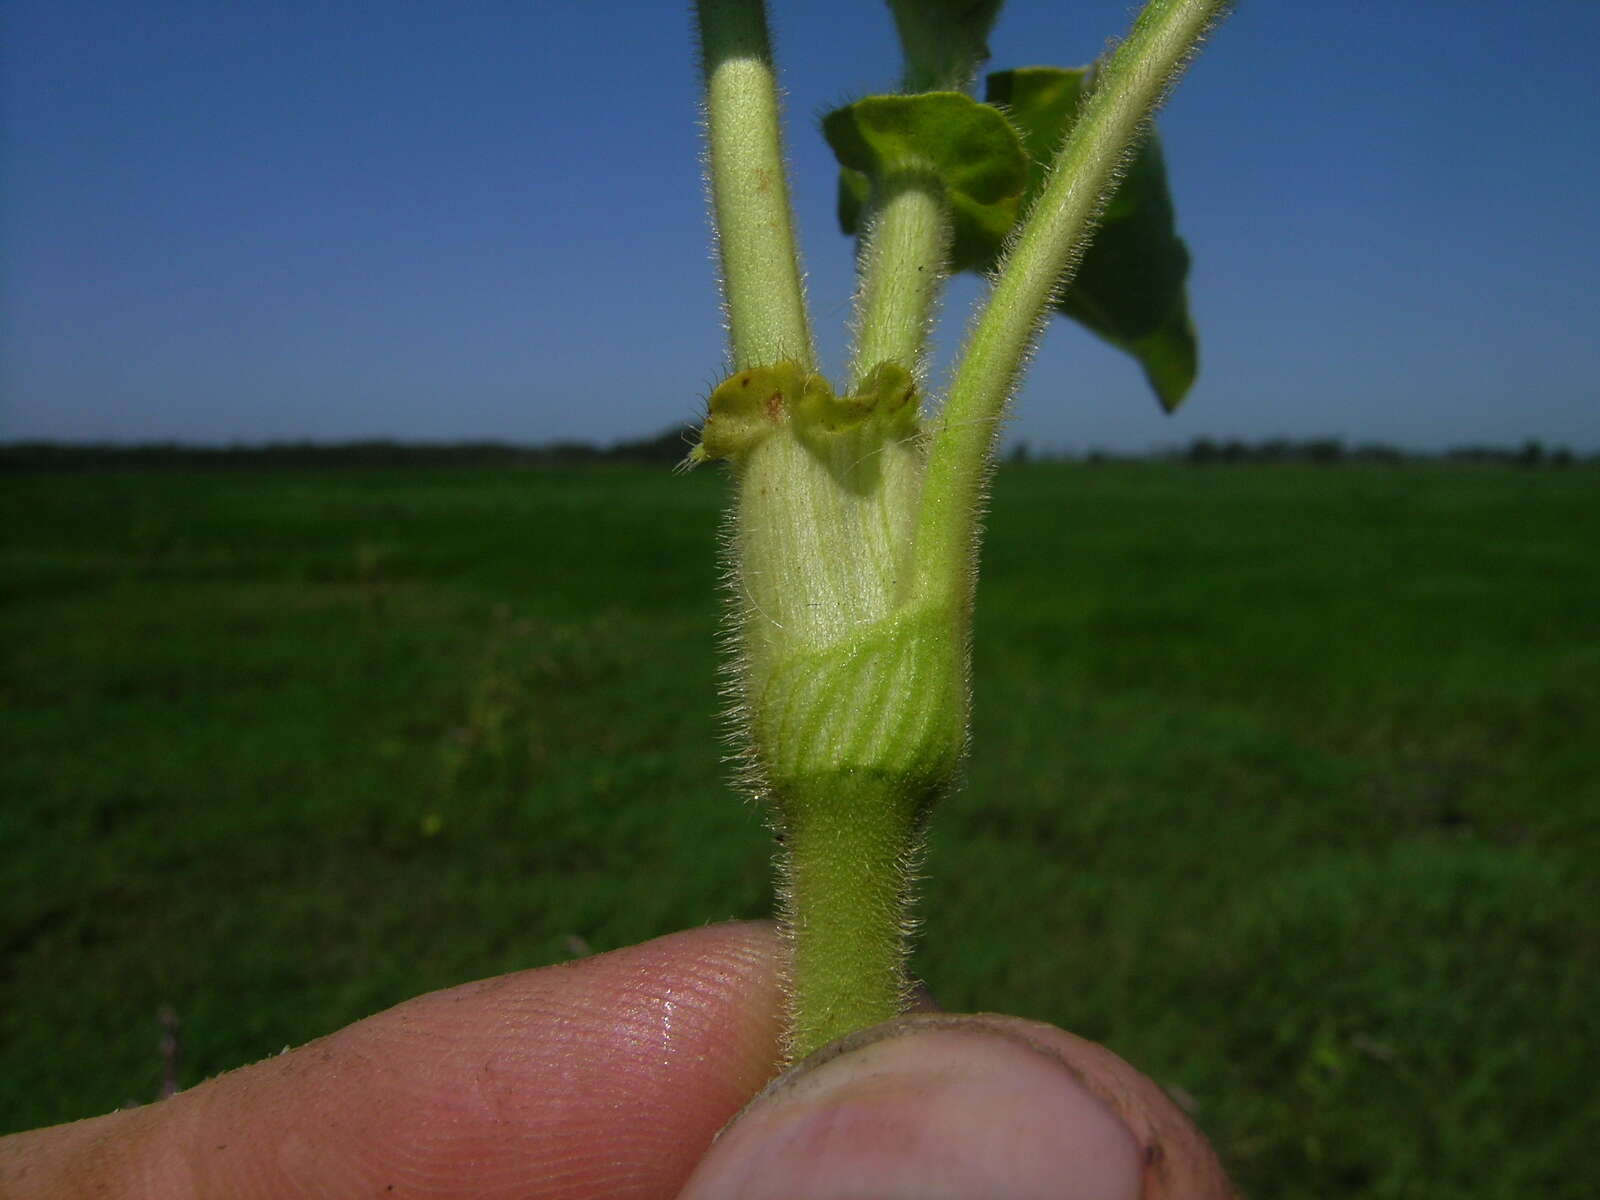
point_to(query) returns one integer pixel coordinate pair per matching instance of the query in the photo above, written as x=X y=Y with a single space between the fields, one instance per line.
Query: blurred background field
x=1283 y=781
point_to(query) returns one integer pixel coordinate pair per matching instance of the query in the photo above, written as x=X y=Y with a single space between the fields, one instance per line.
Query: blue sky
x=346 y=218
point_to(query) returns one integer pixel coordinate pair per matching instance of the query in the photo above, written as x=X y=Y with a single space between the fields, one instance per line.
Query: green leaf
x=1130 y=288
x=969 y=146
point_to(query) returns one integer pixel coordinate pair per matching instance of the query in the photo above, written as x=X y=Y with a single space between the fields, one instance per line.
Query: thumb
x=939 y=1106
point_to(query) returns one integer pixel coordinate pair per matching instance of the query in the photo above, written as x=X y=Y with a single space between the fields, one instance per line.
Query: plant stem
x=903 y=267
x=761 y=279
x=846 y=841
x=1053 y=237
x=943 y=42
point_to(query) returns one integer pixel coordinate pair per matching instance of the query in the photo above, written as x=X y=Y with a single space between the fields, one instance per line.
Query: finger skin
x=950 y=1105
x=607 y=1077
x=941 y=1109
x=1179 y=1164
x=604 y=1077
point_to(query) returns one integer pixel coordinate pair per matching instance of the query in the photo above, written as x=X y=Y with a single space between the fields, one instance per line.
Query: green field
x=1284 y=781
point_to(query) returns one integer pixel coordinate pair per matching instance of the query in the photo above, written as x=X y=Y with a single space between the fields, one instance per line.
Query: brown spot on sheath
x=775 y=407
x=744 y=380
x=763 y=180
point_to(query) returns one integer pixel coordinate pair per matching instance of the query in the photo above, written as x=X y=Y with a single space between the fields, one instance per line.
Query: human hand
x=610 y=1077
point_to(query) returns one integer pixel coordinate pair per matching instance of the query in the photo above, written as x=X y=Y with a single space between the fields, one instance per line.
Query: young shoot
x=854 y=532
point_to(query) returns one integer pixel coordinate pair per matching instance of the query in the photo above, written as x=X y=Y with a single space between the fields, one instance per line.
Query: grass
x=1283 y=781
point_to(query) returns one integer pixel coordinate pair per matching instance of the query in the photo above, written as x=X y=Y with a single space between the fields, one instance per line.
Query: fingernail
x=927 y=1107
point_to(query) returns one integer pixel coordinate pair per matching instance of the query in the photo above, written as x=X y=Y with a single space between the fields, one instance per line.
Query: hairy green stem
x=903 y=267
x=847 y=843
x=761 y=278
x=1127 y=91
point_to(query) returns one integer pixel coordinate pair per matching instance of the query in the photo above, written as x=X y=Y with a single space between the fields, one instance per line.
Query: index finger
x=608 y=1076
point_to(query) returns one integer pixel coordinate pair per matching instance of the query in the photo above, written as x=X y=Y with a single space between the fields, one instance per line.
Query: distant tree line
x=1329 y=450
x=1324 y=451
x=670 y=446
x=666 y=448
